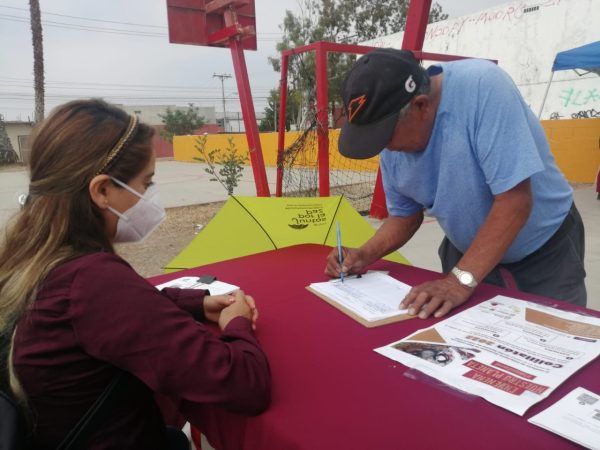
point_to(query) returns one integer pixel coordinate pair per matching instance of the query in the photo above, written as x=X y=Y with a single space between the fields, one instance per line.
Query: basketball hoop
x=232 y=24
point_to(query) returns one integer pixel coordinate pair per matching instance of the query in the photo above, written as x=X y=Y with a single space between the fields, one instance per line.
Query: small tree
x=344 y=21
x=271 y=120
x=231 y=164
x=180 y=122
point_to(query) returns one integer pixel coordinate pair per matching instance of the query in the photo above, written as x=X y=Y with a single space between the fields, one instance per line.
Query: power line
x=119 y=85
x=126 y=89
x=70 y=26
x=27 y=95
x=79 y=27
x=109 y=21
x=20 y=82
x=93 y=84
x=87 y=18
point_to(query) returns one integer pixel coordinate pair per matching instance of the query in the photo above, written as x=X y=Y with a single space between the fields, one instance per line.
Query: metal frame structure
x=414 y=35
x=225 y=23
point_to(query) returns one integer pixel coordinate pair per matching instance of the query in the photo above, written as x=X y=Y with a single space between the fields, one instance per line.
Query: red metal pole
x=378 y=207
x=414 y=35
x=330 y=47
x=282 y=120
x=322 y=120
x=416 y=24
x=243 y=85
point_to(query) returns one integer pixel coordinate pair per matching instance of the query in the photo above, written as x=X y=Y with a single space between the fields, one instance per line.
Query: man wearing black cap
x=458 y=142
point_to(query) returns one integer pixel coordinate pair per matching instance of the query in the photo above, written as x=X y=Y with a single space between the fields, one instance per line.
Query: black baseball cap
x=377 y=87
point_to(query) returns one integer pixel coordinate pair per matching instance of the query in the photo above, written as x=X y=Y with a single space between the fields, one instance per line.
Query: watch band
x=465 y=278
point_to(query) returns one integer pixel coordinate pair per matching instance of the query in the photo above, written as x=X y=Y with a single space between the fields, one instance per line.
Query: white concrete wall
x=150 y=113
x=525 y=44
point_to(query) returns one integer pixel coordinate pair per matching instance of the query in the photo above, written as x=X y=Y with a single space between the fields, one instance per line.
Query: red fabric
x=94 y=314
x=332 y=391
x=196 y=438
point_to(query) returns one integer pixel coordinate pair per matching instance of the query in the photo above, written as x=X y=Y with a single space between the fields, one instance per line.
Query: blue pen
x=339 y=246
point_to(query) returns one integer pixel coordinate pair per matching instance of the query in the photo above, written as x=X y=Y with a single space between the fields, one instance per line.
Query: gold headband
x=131 y=128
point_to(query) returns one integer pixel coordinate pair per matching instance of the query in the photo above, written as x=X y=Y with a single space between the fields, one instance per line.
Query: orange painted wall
x=184 y=148
x=575 y=143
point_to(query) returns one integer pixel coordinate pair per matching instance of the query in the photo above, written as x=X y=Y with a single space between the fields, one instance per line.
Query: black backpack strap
x=13 y=429
x=95 y=416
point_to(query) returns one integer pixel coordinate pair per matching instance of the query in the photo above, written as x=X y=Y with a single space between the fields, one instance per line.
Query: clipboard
x=359 y=319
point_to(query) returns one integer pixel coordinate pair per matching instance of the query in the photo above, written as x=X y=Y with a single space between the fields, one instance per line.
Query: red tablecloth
x=332 y=391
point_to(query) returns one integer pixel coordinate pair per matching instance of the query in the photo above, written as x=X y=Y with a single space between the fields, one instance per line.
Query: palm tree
x=38 y=58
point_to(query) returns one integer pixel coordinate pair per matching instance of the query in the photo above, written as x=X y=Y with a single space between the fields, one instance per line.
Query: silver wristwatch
x=465 y=278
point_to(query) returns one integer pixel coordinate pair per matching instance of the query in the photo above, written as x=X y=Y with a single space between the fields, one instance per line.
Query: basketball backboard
x=201 y=22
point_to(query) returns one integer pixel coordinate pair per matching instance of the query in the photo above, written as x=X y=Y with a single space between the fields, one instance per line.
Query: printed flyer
x=575 y=416
x=511 y=352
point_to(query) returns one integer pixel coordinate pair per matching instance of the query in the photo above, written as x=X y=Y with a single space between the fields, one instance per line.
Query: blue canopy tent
x=586 y=57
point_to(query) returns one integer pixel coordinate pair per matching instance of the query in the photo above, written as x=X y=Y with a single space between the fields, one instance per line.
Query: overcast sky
x=134 y=69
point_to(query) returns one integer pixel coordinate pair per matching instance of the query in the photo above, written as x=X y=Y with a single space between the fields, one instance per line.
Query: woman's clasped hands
x=222 y=309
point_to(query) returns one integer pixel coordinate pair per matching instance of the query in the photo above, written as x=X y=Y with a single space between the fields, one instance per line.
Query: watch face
x=466 y=278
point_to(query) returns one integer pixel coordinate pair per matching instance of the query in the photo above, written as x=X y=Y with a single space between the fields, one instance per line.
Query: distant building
x=18 y=132
x=235 y=121
x=150 y=114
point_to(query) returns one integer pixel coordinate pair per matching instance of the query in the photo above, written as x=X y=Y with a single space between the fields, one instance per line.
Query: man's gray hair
x=424 y=89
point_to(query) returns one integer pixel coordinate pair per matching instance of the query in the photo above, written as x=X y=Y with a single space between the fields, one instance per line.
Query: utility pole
x=223 y=76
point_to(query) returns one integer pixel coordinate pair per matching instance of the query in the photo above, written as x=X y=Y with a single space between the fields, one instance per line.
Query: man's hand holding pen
x=354 y=262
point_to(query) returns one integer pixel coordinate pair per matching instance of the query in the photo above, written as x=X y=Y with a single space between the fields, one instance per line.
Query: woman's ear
x=100 y=188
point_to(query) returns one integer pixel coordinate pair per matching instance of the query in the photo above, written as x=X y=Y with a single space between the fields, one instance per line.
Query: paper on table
x=374 y=296
x=511 y=352
x=576 y=416
x=215 y=288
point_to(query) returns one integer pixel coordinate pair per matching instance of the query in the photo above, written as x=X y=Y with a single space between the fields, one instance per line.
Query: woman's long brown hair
x=59 y=221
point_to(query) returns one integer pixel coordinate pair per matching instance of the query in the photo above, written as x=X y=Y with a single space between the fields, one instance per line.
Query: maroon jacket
x=95 y=314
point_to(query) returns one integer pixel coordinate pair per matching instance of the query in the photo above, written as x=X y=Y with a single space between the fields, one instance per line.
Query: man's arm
x=392 y=235
x=509 y=213
x=507 y=217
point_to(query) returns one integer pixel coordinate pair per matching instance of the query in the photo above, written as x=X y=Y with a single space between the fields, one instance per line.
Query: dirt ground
x=149 y=257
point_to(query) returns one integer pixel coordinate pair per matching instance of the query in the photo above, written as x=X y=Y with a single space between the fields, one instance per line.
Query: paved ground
x=180 y=184
x=12 y=183
x=183 y=184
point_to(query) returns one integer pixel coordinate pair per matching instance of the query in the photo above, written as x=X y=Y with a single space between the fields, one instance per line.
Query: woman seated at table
x=78 y=314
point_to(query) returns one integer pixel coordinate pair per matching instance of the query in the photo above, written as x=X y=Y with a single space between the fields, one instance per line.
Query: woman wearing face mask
x=73 y=314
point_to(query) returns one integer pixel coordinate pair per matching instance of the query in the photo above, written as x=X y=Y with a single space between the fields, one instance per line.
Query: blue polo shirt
x=484 y=142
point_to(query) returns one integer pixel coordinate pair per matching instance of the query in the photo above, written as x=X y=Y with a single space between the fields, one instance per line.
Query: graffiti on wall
x=511 y=13
x=454 y=27
x=579 y=97
x=587 y=114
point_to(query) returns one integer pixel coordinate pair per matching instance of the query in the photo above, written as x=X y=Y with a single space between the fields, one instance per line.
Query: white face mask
x=139 y=221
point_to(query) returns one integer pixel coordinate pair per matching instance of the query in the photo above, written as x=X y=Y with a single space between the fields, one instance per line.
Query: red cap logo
x=355 y=106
